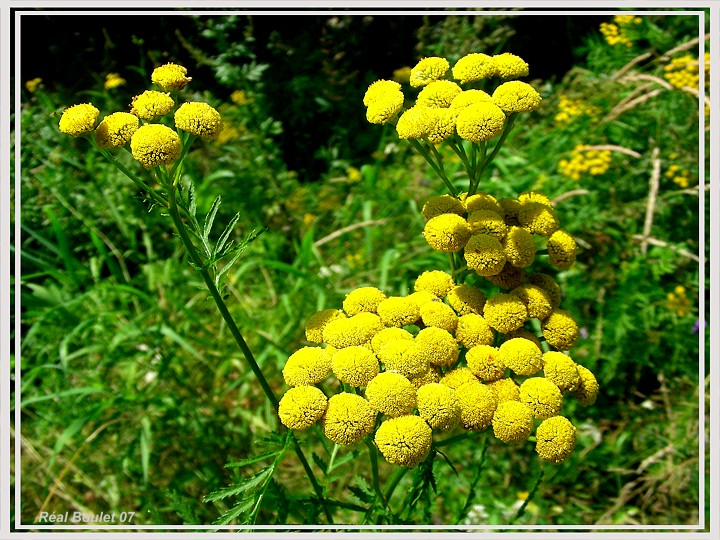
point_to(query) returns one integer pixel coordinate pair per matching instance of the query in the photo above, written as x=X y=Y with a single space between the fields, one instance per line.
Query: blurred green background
x=133 y=394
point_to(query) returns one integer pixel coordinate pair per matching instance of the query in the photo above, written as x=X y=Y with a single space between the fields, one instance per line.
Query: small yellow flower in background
x=570 y=109
x=587 y=390
x=560 y=330
x=555 y=439
x=683 y=71
x=170 y=77
x=627 y=20
x=447 y=233
x=391 y=394
x=485 y=363
x=348 y=418
x=436 y=282
x=536 y=300
x=519 y=247
x=316 y=323
x=155 y=144
x=113 y=80
x=438 y=94
x=473 y=330
x=33 y=84
x=512 y=422
x=116 y=129
x=480 y=122
x=79 y=119
x=402 y=75
x=678 y=302
x=474 y=67
x=438 y=406
x=505 y=312
x=466 y=299
x=151 y=105
x=614 y=35
x=301 y=407
x=585 y=160
x=240 y=97
x=227 y=133
x=542 y=396
x=443 y=204
x=675 y=173
x=437 y=345
x=200 y=119
x=516 y=96
x=560 y=370
x=363 y=299
x=521 y=355
x=404 y=441
x=398 y=311
x=428 y=70
x=307 y=366
x=353 y=175
x=510 y=66
x=477 y=405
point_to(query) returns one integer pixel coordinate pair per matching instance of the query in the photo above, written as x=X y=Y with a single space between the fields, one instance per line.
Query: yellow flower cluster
x=678 y=302
x=585 y=160
x=443 y=109
x=683 y=71
x=113 y=80
x=675 y=173
x=570 y=109
x=150 y=144
x=616 y=33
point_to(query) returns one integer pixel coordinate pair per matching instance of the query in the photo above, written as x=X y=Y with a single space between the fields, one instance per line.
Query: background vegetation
x=134 y=397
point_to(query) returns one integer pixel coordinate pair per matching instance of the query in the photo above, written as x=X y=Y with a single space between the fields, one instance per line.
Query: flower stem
x=501 y=140
x=530 y=497
x=437 y=168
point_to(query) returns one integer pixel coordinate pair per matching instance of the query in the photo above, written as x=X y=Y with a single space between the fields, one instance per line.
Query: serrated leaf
x=220 y=245
x=362 y=491
x=235 y=489
x=192 y=200
x=210 y=218
x=245 y=505
x=320 y=463
x=251 y=460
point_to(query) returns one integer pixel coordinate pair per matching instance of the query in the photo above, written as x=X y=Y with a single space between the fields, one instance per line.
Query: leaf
x=218 y=249
x=245 y=485
x=362 y=491
x=251 y=460
x=210 y=218
x=145 y=443
x=192 y=200
x=320 y=463
x=243 y=506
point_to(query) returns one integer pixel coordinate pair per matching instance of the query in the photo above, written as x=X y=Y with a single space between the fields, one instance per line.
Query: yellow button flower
x=562 y=249
x=436 y=282
x=301 y=407
x=488 y=222
x=519 y=247
x=155 y=144
x=480 y=122
x=439 y=315
x=447 y=233
x=116 y=129
x=561 y=371
x=33 y=84
x=457 y=377
x=505 y=312
x=538 y=218
x=348 y=418
x=404 y=441
x=505 y=390
x=549 y=285
x=170 y=77
x=391 y=394
x=536 y=300
x=200 y=119
x=474 y=67
x=466 y=299
x=423 y=297
x=388 y=335
x=587 y=390
x=316 y=323
x=412 y=123
x=484 y=362
x=113 y=80
x=438 y=94
x=512 y=422
x=511 y=208
x=474 y=330
x=542 y=396
x=521 y=355
x=443 y=204
x=509 y=277
x=307 y=366
x=378 y=90
x=485 y=255
x=467 y=98
x=560 y=330
x=438 y=406
x=432 y=375
x=355 y=365
x=405 y=357
x=398 y=311
x=438 y=346
x=510 y=66
x=477 y=405
x=555 y=439
x=428 y=70
x=516 y=96
x=355 y=330
x=385 y=107
x=363 y=299
x=79 y=119
x=439 y=125
x=151 y=105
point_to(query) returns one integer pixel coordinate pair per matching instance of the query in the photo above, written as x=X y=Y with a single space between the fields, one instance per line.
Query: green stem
x=501 y=141
x=127 y=172
x=451 y=440
x=394 y=482
x=460 y=151
x=374 y=465
x=530 y=497
x=425 y=154
x=478 y=168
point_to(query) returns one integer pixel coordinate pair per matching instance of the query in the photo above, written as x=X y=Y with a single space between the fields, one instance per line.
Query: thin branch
x=685 y=46
x=652 y=198
x=569 y=194
x=627 y=67
x=614 y=148
x=651 y=78
x=618 y=110
x=655 y=242
x=333 y=235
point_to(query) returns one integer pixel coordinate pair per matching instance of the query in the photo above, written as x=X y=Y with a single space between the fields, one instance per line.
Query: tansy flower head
x=444 y=204
x=307 y=366
x=509 y=277
x=199 y=119
x=505 y=390
x=534 y=196
x=473 y=330
x=487 y=222
x=438 y=94
x=484 y=362
x=151 y=105
x=485 y=255
x=477 y=405
x=466 y=299
x=398 y=311
x=555 y=439
x=439 y=124
x=519 y=247
x=521 y=355
x=536 y=300
x=438 y=346
x=116 y=129
x=33 y=84
x=438 y=406
x=467 y=98
x=432 y=375
x=316 y=323
x=447 y=233
x=155 y=144
x=363 y=299
x=512 y=422
x=474 y=67
x=480 y=122
x=516 y=96
x=436 y=282
x=561 y=370
x=512 y=208
x=422 y=297
x=412 y=123
x=385 y=336
x=521 y=332
x=170 y=77
x=113 y=80
x=355 y=365
x=587 y=390
x=377 y=90
x=549 y=285
x=560 y=330
x=483 y=201
x=538 y=218
x=405 y=357
x=384 y=107
x=355 y=330
x=79 y=119
x=542 y=396
x=510 y=66
x=562 y=249
x=392 y=394
x=404 y=441
x=428 y=70
x=505 y=312
x=301 y=407
x=457 y=377
x=439 y=315
x=348 y=418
